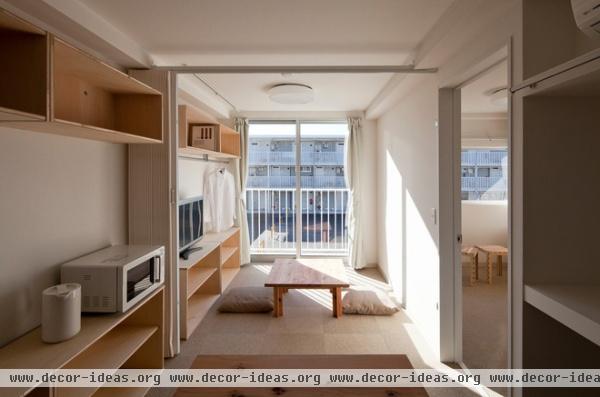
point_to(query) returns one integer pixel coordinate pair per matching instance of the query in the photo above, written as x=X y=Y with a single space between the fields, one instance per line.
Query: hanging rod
x=297 y=69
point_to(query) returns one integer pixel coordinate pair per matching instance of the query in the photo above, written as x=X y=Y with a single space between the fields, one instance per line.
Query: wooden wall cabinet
x=50 y=86
x=228 y=140
x=555 y=216
x=133 y=339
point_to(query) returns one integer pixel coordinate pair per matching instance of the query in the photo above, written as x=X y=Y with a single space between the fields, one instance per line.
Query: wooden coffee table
x=307 y=274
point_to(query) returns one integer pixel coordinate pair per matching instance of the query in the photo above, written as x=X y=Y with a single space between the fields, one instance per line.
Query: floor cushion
x=364 y=300
x=247 y=300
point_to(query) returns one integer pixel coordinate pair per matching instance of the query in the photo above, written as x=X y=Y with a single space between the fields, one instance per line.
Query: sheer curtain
x=241 y=176
x=351 y=172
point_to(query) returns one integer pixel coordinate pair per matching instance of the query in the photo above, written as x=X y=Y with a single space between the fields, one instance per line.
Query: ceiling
x=333 y=92
x=186 y=31
x=278 y=33
x=475 y=95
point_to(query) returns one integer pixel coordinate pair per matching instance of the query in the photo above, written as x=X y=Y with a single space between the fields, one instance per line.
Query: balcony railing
x=476 y=183
x=482 y=158
x=272 y=221
x=289 y=181
x=257 y=157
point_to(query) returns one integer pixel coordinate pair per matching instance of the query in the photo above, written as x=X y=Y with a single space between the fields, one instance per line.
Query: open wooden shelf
x=114 y=348
x=105 y=341
x=227 y=275
x=576 y=306
x=52 y=87
x=227 y=253
x=198 y=305
x=23 y=70
x=227 y=140
x=196 y=153
x=197 y=276
x=205 y=275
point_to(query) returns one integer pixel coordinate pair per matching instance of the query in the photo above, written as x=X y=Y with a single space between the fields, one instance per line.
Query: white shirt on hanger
x=219 y=199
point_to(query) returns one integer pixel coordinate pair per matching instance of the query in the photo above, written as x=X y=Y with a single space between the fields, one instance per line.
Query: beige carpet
x=485 y=320
x=307 y=327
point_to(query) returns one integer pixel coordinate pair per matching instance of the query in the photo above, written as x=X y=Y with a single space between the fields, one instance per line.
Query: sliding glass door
x=323 y=188
x=296 y=195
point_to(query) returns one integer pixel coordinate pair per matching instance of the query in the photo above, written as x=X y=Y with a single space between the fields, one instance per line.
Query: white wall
x=485 y=222
x=407 y=191
x=61 y=198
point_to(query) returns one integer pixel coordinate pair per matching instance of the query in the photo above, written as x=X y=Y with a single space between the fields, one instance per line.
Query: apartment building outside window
x=317 y=223
x=484 y=174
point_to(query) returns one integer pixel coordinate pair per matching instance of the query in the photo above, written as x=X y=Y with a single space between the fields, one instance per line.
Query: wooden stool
x=491 y=250
x=473 y=254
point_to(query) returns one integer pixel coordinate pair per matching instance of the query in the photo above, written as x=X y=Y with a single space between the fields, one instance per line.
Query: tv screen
x=190 y=222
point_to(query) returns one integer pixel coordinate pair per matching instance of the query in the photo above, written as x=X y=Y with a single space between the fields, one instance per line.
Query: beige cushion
x=247 y=300
x=362 y=300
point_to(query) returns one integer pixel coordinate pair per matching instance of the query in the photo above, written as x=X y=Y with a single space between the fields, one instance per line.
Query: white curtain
x=351 y=170
x=241 y=176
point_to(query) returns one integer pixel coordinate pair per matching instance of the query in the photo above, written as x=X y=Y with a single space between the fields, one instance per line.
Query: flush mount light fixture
x=291 y=94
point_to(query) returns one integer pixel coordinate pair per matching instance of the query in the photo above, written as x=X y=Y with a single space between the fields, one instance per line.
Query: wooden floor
x=391 y=361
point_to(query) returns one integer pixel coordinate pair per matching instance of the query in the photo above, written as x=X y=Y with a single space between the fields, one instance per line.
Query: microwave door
x=140 y=277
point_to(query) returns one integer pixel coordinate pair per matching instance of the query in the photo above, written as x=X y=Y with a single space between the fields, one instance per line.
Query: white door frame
x=450 y=211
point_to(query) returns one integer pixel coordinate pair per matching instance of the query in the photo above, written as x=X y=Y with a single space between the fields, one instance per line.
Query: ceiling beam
x=408 y=69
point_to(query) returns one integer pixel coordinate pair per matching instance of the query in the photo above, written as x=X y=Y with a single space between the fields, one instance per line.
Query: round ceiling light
x=291 y=94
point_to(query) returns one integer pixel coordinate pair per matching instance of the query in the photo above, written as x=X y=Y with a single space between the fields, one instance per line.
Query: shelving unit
x=230 y=259
x=556 y=280
x=50 y=86
x=227 y=139
x=133 y=339
x=576 y=306
x=205 y=275
x=199 y=286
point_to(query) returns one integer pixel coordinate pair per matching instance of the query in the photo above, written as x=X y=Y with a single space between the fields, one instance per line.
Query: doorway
x=296 y=196
x=483 y=208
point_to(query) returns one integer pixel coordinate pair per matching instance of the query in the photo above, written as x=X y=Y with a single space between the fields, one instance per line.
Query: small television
x=190 y=225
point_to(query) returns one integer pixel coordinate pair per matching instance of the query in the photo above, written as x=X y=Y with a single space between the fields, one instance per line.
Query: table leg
x=477 y=266
x=336 y=294
x=277 y=302
x=499 y=260
x=472 y=275
x=489 y=268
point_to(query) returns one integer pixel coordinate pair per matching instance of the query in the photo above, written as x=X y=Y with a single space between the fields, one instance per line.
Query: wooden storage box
x=204 y=136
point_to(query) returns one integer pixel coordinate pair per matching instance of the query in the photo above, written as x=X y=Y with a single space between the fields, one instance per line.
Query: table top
x=344 y=361
x=468 y=250
x=493 y=249
x=307 y=273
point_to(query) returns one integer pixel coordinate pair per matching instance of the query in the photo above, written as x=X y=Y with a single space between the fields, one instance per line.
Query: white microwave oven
x=114 y=279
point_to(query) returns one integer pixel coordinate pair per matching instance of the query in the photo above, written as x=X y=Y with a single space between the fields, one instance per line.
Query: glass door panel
x=271 y=188
x=323 y=192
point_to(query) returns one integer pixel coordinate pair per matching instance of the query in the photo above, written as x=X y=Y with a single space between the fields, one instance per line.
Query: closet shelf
x=576 y=306
x=198 y=153
x=561 y=74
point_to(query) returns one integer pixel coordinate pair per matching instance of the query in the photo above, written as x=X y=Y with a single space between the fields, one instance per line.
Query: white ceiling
x=333 y=92
x=186 y=31
x=278 y=32
x=475 y=95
